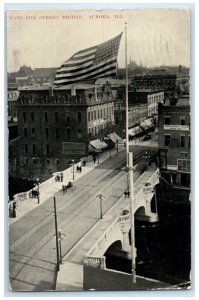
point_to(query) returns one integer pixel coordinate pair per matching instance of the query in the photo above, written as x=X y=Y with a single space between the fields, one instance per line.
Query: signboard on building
x=73 y=148
x=177 y=127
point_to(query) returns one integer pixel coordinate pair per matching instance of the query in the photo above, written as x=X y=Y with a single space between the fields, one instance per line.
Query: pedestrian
x=80 y=169
x=125 y=193
x=61 y=176
x=77 y=169
x=128 y=193
x=84 y=163
x=94 y=159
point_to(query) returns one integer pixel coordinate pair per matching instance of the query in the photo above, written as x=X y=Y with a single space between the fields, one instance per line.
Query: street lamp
x=100 y=196
x=73 y=168
x=98 y=151
x=60 y=249
x=38 y=199
x=146 y=156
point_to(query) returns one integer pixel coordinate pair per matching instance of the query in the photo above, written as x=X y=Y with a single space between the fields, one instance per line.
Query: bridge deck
x=76 y=255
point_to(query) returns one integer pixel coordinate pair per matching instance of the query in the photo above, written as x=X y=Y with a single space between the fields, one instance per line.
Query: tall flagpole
x=127 y=102
x=129 y=165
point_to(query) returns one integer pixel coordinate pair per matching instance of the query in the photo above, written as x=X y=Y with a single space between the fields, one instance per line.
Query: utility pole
x=56 y=234
x=131 y=187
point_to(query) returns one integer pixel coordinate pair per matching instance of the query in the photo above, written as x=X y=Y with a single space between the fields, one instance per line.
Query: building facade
x=165 y=82
x=136 y=114
x=149 y=96
x=175 y=142
x=56 y=126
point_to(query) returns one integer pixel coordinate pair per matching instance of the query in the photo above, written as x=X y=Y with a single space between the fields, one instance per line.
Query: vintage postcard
x=99 y=149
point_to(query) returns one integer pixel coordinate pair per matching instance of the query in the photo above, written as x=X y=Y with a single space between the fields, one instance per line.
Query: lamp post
x=146 y=156
x=100 y=196
x=38 y=198
x=117 y=145
x=60 y=249
x=98 y=151
x=73 y=168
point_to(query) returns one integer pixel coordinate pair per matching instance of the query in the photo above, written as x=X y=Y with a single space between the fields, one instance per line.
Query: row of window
x=57 y=132
x=46 y=116
x=183 y=121
x=27 y=148
x=182 y=141
x=100 y=113
x=35 y=161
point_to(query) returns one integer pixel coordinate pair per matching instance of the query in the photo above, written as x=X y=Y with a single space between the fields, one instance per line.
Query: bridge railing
x=93 y=252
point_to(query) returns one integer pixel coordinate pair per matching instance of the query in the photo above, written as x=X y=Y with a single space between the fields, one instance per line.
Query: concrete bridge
x=118 y=230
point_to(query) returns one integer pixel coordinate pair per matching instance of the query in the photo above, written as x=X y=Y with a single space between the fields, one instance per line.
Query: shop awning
x=135 y=130
x=144 y=125
x=97 y=145
x=114 y=137
x=149 y=122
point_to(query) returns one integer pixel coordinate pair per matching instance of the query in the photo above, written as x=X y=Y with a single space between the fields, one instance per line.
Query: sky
x=47 y=38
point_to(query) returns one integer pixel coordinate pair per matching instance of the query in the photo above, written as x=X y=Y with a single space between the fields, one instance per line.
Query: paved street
x=32 y=242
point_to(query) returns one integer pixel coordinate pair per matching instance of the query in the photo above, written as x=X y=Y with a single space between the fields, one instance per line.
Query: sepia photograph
x=99 y=149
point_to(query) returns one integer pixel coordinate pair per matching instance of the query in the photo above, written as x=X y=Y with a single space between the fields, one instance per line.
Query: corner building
x=55 y=126
x=175 y=142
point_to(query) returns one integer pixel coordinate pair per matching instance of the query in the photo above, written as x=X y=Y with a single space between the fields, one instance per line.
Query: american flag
x=94 y=62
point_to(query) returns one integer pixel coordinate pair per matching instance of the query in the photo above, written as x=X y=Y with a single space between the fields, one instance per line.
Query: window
x=48 y=161
x=89 y=116
x=94 y=114
x=98 y=114
x=46 y=132
x=56 y=116
x=33 y=131
x=57 y=133
x=184 y=154
x=26 y=160
x=67 y=117
x=33 y=149
x=189 y=141
x=79 y=134
x=24 y=116
x=57 y=161
x=182 y=121
x=167 y=120
x=167 y=140
x=46 y=116
x=47 y=149
x=25 y=132
x=183 y=165
x=26 y=148
x=32 y=116
x=182 y=141
x=68 y=133
x=34 y=161
x=79 y=116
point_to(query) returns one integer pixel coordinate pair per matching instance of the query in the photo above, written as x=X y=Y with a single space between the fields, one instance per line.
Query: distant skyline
x=47 y=38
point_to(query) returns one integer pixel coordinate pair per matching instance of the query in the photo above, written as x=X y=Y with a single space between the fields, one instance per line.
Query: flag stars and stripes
x=94 y=62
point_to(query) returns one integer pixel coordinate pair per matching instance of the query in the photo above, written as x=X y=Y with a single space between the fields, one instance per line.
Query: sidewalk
x=47 y=191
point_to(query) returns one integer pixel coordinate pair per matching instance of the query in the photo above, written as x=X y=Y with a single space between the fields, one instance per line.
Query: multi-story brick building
x=164 y=82
x=56 y=126
x=149 y=96
x=174 y=142
x=136 y=114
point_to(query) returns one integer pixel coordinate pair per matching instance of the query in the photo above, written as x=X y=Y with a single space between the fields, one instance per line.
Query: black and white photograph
x=99 y=150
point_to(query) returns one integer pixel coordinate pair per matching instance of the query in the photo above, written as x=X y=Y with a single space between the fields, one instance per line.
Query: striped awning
x=97 y=145
x=135 y=130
